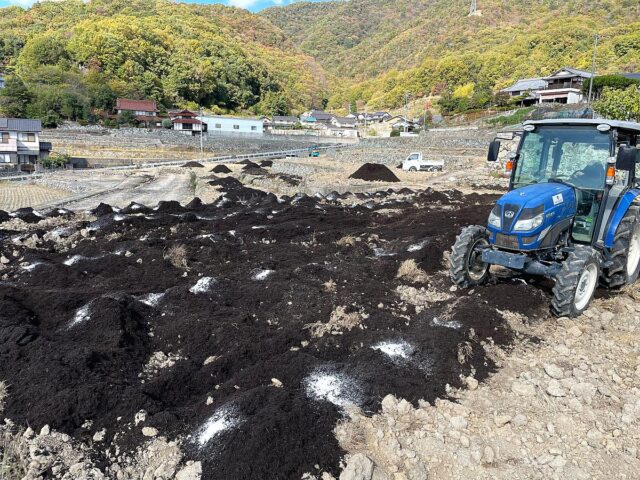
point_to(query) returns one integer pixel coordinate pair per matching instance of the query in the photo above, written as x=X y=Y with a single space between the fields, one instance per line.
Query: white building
x=233 y=125
x=20 y=145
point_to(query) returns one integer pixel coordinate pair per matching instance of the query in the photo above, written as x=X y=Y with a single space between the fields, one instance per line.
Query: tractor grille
x=507 y=241
x=509 y=213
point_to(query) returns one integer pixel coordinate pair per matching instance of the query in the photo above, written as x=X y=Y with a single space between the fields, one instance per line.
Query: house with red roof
x=144 y=111
x=185 y=121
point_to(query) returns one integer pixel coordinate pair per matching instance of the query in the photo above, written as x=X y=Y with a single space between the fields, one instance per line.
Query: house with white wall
x=185 y=121
x=20 y=145
x=214 y=124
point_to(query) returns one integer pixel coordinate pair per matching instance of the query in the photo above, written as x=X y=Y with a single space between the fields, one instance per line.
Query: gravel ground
x=564 y=404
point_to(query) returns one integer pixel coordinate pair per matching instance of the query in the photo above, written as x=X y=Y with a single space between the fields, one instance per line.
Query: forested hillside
x=389 y=47
x=71 y=59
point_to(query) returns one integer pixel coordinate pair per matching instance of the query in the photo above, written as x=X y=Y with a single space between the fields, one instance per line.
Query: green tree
x=126 y=118
x=619 y=104
x=14 y=98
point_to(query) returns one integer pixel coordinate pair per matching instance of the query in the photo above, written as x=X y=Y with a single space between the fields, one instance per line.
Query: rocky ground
x=564 y=403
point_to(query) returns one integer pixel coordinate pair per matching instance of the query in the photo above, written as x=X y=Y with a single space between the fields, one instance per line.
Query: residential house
x=232 y=125
x=527 y=89
x=316 y=118
x=343 y=122
x=564 y=86
x=401 y=123
x=185 y=121
x=144 y=111
x=282 y=122
x=20 y=145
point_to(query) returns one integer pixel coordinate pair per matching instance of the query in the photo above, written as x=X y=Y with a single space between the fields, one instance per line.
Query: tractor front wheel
x=625 y=252
x=576 y=282
x=466 y=266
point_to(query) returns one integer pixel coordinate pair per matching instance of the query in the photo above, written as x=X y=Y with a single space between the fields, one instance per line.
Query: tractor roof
x=587 y=121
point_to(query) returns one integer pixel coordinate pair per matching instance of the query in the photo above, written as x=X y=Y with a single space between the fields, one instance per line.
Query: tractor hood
x=547 y=194
x=528 y=213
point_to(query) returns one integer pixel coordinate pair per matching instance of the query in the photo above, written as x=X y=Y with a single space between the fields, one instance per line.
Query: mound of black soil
x=75 y=337
x=248 y=165
x=4 y=216
x=170 y=206
x=193 y=164
x=374 y=172
x=102 y=209
x=220 y=169
x=266 y=163
x=195 y=204
x=135 y=207
x=246 y=161
x=27 y=215
x=60 y=212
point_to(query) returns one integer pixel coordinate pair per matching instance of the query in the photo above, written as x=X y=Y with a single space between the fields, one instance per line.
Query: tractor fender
x=632 y=196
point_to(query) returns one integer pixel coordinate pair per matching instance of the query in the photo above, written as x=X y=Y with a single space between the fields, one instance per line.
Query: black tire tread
x=615 y=275
x=567 y=280
x=457 y=259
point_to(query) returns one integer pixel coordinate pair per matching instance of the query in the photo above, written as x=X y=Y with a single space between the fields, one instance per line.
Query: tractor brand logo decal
x=509 y=214
x=558 y=199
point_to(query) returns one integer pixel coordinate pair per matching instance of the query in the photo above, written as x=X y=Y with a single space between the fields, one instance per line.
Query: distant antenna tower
x=473 y=11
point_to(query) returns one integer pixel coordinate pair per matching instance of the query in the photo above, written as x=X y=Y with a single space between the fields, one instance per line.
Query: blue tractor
x=572 y=212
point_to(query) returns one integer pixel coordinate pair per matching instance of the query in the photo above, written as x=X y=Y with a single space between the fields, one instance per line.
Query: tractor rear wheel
x=576 y=282
x=466 y=266
x=625 y=252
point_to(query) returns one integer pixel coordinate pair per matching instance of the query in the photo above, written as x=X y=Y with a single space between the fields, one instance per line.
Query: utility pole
x=201 y=133
x=593 y=70
x=406 y=112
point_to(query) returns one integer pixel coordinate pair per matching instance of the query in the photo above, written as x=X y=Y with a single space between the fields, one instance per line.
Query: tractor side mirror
x=494 y=149
x=626 y=158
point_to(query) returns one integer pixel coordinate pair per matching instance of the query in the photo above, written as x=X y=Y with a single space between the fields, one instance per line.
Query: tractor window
x=575 y=155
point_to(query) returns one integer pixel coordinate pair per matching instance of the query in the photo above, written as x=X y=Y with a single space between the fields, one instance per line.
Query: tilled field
x=243 y=329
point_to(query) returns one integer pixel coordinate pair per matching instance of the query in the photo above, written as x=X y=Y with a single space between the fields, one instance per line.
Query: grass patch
x=176 y=255
x=518 y=116
x=410 y=271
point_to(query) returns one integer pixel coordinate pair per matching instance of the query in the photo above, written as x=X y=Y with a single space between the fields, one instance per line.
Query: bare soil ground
x=18 y=195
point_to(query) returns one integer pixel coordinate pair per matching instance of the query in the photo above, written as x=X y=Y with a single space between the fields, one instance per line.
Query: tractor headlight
x=530 y=219
x=494 y=217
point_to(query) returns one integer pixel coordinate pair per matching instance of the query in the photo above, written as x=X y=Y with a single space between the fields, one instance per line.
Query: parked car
x=414 y=163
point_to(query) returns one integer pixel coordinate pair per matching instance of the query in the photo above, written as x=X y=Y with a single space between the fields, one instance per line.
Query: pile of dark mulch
x=374 y=172
x=60 y=212
x=266 y=163
x=75 y=338
x=102 y=209
x=4 y=216
x=220 y=169
x=193 y=164
x=27 y=215
x=248 y=165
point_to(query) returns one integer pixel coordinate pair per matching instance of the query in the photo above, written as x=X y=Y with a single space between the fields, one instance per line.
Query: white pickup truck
x=414 y=163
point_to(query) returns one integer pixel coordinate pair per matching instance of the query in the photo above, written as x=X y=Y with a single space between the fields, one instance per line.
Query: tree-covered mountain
x=75 y=57
x=386 y=48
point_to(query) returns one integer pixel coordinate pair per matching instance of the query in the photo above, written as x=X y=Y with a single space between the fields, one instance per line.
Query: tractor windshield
x=576 y=155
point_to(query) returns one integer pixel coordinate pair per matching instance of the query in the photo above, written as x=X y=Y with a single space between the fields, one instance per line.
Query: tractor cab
x=572 y=188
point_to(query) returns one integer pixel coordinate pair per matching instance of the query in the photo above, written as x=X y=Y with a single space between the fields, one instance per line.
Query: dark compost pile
x=374 y=172
x=78 y=328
